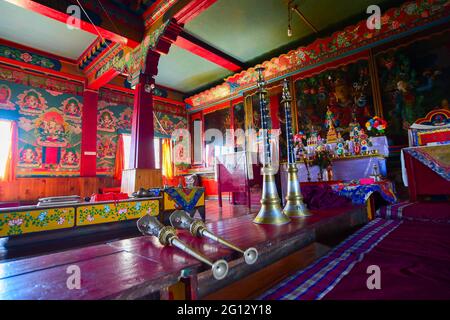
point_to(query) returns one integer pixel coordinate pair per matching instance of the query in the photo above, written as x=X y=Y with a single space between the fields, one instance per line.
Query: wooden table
x=141 y=268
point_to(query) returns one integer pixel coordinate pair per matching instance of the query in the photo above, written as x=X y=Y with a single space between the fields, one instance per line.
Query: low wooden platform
x=141 y=268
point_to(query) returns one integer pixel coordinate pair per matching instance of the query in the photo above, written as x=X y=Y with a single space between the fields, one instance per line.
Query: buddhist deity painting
x=72 y=109
x=220 y=120
x=29 y=157
x=165 y=124
x=49 y=129
x=181 y=147
x=113 y=118
x=239 y=124
x=70 y=158
x=345 y=92
x=106 y=121
x=106 y=146
x=414 y=80
x=31 y=102
x=5 y=98
x=125 y=119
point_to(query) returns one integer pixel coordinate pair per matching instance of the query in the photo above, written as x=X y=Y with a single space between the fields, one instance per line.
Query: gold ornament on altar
x=331 y=134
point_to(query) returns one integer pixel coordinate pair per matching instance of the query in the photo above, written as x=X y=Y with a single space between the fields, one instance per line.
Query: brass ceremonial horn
x=295 y=207
x=270 y=212
x=182 y=220
x=166 y=235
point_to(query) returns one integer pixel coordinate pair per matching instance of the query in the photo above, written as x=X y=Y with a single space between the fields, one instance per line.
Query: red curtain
x=119 y=163
x=10 y=170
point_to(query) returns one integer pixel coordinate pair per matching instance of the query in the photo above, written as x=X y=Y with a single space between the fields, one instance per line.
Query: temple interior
x=224 y=150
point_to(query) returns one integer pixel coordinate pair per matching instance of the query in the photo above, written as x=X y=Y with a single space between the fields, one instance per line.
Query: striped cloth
x=434 y=212
x=394 y=211
x=314 y=282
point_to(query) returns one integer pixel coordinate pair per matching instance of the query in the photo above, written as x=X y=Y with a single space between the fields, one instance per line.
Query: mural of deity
x=106 y=147
x=29 y=157
x=343 y=91
x=5 y=96
x=106 y=121
x=181 y=146
x=344 y=103
x=414 y=80
x=72 y=109
x=70 y=159
x=125 y=119
x=51 y=129
x=31 y=102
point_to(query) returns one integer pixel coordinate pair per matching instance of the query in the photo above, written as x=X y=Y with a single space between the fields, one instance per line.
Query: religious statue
x=364 y=141
x=331 y=134
x=340 y=145
x=354 y=127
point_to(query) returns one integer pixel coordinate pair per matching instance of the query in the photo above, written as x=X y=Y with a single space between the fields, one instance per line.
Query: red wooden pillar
x=142 y=131
x=142 y=154
x=88 y=167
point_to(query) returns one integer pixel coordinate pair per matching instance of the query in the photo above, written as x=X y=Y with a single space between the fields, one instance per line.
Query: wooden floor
x=215 y=213
x=139 y=266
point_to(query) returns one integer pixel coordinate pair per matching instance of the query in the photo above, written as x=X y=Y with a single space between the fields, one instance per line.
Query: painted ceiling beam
x=196 y=46
x=127 y=31
x=192 y=10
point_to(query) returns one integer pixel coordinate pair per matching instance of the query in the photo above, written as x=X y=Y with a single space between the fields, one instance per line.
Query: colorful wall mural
x=114 y=116
x=49 y=129
x=395 y=21
x=414 y=80
x=346 y=91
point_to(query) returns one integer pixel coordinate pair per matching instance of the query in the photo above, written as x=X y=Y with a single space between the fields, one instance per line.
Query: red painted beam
x=99 y=82
x=192 y=10
x=63 y=17
x=204 y=50
x=32 y=67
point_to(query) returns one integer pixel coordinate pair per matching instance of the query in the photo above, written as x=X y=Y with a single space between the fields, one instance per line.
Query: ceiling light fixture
x=289 y=30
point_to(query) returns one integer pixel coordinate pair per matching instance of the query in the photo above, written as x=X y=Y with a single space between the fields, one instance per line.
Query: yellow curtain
x=167 y=169
x=119 y=163
x=11 y=162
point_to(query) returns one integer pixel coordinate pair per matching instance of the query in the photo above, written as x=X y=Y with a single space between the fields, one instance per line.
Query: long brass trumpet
x=182 y=220
x=166 y=235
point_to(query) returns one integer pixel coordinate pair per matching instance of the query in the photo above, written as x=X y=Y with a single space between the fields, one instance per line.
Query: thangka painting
x=219 y=120
x=113 y=118
x=345 y=90
x=165 y=124
x=49 y=129
x=414 y=81
x=239 y=124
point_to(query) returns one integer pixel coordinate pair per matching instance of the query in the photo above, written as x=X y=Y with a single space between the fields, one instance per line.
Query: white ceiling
x=39 y=32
